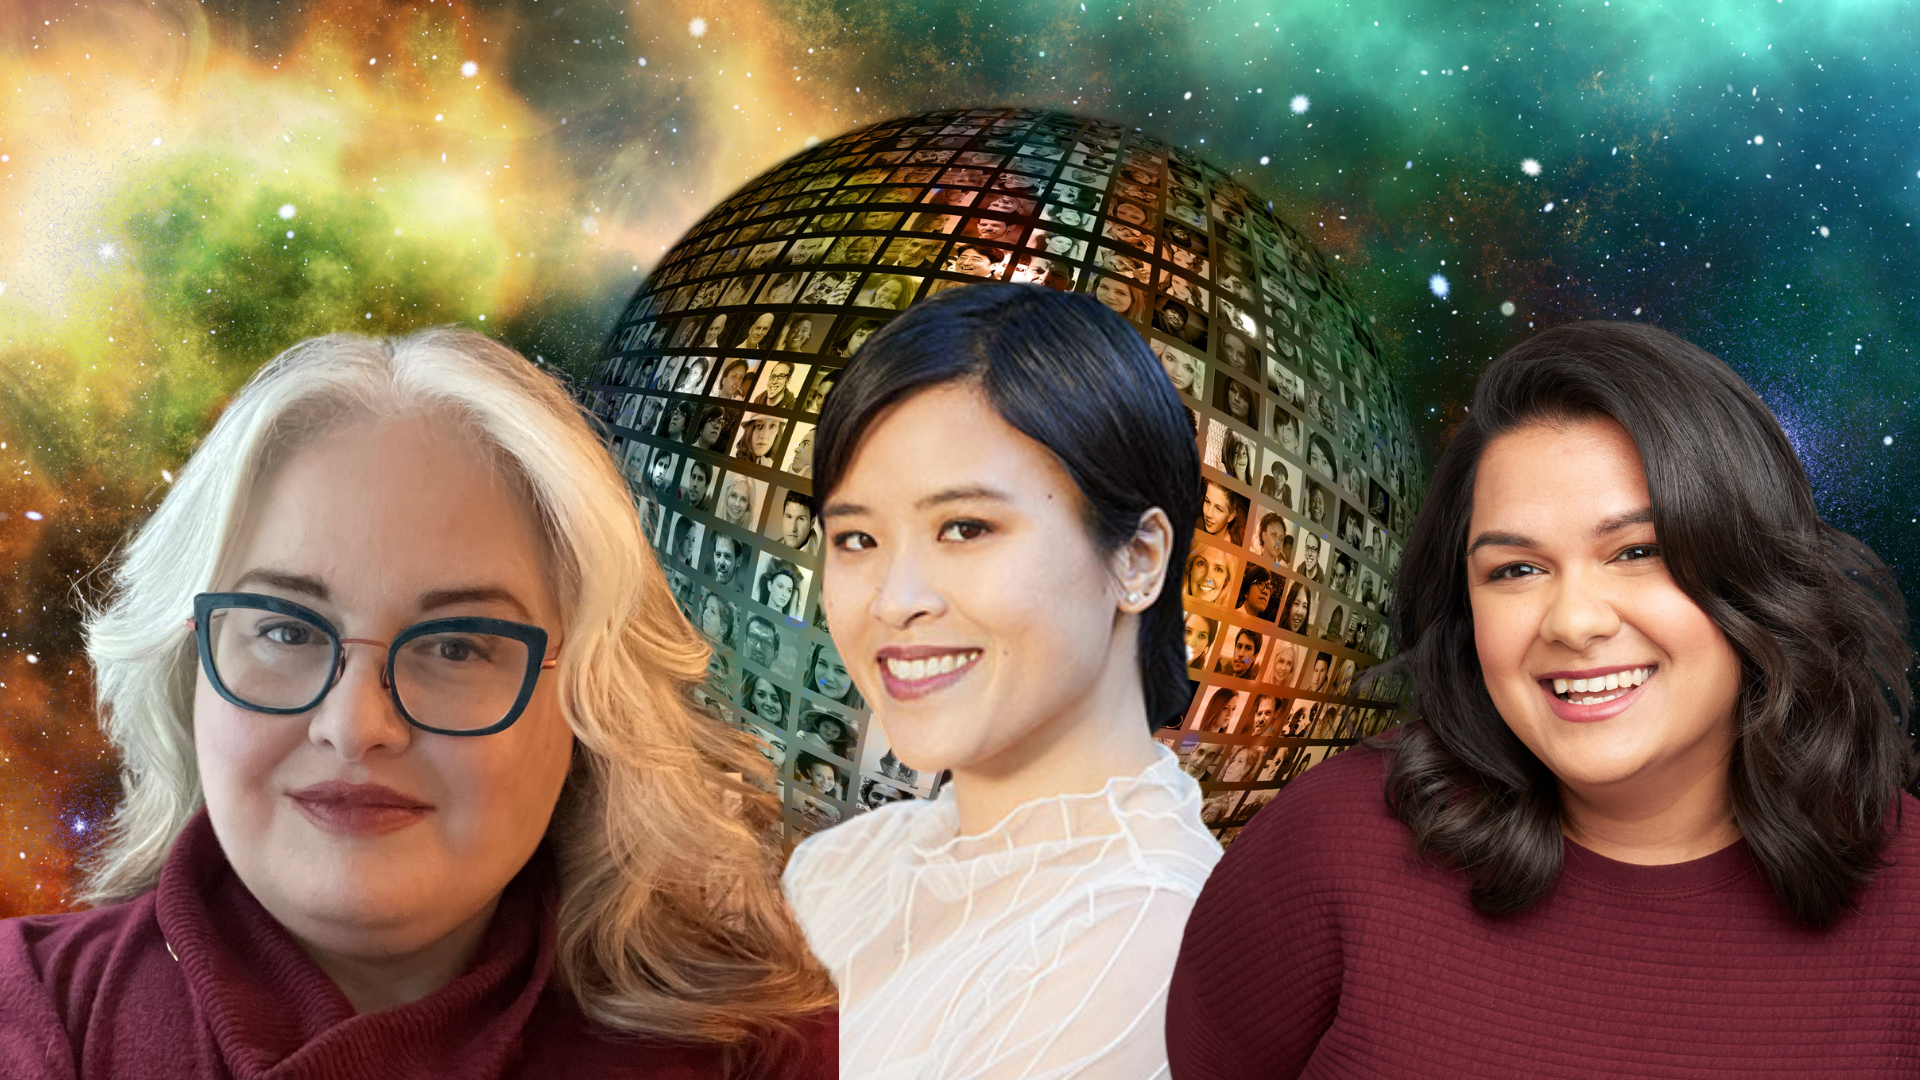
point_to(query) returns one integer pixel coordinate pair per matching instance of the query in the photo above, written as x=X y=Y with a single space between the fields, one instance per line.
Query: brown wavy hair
x=1815 y=617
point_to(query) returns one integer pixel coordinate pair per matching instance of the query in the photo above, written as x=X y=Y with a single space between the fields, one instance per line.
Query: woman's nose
x=359 y=715
x=1579 y=612
x=904 y=594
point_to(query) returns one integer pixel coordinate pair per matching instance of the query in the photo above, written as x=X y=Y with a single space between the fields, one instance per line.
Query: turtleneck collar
x=275 y=1015
x=1048 y=829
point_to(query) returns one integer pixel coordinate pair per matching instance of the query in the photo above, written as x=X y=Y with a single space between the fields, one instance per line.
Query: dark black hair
x=1064 y=370
x=1814 y=616
x=1255 y=575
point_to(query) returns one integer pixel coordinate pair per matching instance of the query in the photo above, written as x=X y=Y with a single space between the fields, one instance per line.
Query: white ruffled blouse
x=1039 y=949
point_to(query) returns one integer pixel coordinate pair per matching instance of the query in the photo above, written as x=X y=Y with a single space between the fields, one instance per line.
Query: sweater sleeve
x=1260 y=968
x=33 y=1041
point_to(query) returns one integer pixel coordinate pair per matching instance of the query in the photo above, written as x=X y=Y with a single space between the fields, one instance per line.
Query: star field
x=1746 y=174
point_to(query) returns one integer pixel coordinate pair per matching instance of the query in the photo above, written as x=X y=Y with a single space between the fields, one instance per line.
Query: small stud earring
x=1133 y=598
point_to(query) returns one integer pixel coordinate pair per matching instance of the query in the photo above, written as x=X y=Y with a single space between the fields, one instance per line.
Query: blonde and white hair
x=671 y=921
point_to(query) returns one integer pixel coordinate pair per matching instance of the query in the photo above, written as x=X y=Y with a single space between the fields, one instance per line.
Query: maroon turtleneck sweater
x=1324 y=946
x=97 y=995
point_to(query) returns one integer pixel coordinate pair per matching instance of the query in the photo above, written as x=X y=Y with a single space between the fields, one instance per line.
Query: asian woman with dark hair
x=1299 y=604
x=1007 y=479
x=1649 y=821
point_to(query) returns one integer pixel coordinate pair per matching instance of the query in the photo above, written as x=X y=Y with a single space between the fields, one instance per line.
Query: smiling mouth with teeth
x=1602 y=688
x=927 y=668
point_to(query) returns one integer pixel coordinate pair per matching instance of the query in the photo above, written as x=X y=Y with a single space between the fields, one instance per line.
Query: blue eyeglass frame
x=533 y=636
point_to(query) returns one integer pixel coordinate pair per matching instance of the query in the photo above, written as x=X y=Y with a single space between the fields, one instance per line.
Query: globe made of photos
x=713 y=379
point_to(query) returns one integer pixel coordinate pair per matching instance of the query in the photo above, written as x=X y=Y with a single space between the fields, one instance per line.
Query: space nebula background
x=188 y=187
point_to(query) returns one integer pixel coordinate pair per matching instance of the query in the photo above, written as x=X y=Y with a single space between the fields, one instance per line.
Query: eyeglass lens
x=458 y=681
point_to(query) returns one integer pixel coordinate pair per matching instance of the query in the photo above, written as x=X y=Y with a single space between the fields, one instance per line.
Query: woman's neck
x=1102 y=736
x=375 y=981
x=1674 y=814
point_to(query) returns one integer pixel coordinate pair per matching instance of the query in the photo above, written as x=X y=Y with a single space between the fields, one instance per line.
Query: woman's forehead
x=376 y=511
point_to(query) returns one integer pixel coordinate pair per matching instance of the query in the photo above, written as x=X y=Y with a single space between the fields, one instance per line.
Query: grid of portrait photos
x=713 y=379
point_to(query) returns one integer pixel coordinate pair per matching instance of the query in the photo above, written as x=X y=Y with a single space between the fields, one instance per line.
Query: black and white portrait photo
x=1185 y=370
x=726 y=558
x=1235 y=398
x=1240 y=652
x=739 y=500
x=781 y=585
x=1172 y=317
x=892 y=292
x=1199 y=636
x=792 y=523
x=755 y=440
x=1125 y=300
x=778 y=386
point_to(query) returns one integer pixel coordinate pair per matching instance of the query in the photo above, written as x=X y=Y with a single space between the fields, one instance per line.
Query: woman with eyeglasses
x=382 y=671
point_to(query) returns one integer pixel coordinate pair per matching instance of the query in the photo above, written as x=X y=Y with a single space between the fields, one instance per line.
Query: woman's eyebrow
x=439 y=598
x=938 y=498
x=1500 y=539
x=1642 y=516
x=291 y=582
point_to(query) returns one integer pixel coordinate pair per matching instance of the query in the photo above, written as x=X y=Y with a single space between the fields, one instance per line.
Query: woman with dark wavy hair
x=1649 y=821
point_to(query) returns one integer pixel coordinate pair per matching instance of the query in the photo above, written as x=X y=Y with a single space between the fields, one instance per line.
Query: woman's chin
x=370 y=934
x=364 y=912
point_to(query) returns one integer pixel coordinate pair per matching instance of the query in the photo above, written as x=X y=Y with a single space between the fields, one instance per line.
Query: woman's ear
x=1140 y=565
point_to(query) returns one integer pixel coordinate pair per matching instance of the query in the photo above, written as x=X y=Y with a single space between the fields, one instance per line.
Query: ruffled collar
x=1048 y=831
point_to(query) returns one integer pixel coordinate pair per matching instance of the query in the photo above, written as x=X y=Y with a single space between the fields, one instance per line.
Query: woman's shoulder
x=1901 y=855
x=54 y=974
x=60 y=951
x=1347 y=786
x=562 y=1044
x=1331 y=819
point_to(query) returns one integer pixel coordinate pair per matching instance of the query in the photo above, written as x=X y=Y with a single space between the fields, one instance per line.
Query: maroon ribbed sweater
x=96 y=995
x=1322 y=946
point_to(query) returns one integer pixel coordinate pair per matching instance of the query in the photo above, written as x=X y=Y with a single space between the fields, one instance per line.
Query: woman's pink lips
x=358 y=809
x=1586 y=714
x=908 y=690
